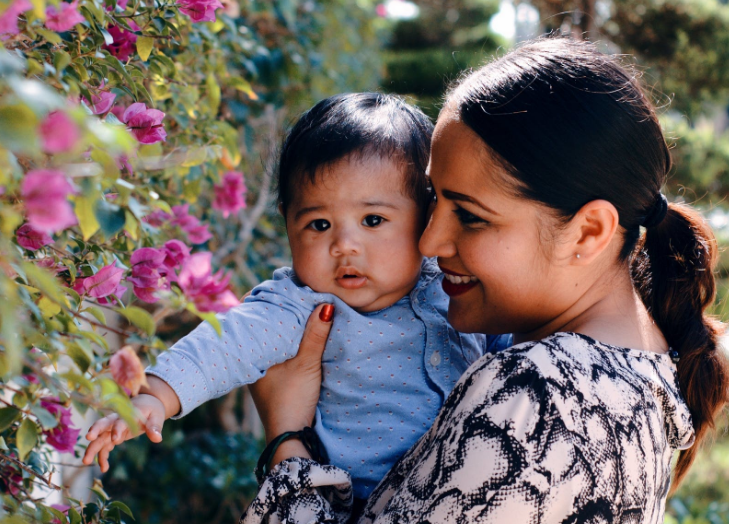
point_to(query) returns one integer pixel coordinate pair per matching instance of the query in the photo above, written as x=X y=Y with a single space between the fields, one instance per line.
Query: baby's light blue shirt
x=385 y=373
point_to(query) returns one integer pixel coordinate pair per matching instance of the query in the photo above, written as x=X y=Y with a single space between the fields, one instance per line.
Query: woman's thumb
x=317 y=332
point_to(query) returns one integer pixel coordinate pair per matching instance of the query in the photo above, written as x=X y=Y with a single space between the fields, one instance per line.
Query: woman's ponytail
x=673 y=272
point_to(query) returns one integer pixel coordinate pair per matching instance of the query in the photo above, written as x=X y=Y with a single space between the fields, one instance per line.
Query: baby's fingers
x=104 y=457
x=102 y=425
x=120 y=432
x=97 y=444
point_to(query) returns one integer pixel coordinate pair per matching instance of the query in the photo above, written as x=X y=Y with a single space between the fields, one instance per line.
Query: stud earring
x=577 y=255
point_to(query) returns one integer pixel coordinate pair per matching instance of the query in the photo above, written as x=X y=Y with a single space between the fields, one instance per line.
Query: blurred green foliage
x=199 y=476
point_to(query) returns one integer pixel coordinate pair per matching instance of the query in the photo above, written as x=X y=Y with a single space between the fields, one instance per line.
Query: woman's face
x=480 y=228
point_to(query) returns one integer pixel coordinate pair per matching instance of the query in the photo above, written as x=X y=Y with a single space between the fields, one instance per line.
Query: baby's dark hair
x=357 y=125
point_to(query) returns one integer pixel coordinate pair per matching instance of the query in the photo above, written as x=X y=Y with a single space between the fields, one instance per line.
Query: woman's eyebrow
x=453 y=195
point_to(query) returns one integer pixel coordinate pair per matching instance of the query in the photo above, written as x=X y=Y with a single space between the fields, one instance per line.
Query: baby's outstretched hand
x=111 y=430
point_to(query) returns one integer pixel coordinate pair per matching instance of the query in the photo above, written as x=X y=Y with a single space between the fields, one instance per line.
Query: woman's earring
x=577 y=255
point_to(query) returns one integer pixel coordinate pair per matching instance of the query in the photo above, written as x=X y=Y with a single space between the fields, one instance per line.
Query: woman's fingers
x=316 y=334
x=287 y=395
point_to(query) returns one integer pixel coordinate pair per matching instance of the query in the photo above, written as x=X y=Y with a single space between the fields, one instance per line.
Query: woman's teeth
x=455 y=279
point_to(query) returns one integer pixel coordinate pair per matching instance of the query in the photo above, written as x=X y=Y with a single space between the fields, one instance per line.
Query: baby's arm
x=155 y=403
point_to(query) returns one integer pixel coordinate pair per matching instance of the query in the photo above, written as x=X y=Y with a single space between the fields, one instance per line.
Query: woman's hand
x=287 y=396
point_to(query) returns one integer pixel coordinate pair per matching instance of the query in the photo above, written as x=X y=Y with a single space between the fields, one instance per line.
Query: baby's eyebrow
x=379 y=203
x=305 y=210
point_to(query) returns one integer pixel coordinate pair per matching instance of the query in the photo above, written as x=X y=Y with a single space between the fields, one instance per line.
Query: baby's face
x=355 y=234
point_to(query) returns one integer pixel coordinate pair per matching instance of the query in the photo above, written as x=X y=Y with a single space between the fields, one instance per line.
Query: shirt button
x=435 y=358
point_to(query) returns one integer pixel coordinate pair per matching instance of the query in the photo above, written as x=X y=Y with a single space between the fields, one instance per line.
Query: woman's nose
x=345 y=243
x=437 y=240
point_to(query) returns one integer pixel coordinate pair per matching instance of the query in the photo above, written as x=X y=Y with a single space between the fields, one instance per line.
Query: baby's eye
x=320 y=224
x=372 y=220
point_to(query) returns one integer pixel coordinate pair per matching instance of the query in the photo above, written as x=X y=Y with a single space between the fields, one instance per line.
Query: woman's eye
x=372 y=220
x=320 y=225
x=466 y=218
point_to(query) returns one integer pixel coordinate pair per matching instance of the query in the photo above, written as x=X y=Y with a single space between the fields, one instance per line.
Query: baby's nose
x=345 y=243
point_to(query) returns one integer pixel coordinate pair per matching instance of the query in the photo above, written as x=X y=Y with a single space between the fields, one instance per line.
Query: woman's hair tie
x=657 y=213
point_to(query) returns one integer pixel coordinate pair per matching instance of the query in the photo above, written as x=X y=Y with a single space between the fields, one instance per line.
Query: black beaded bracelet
x=308 y=438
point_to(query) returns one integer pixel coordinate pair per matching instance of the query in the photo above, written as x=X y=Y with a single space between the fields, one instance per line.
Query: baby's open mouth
x=350 y=278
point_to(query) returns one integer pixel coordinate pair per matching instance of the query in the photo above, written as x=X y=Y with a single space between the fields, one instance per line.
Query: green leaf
x=145 y=45
x=79 y=356
x=48 y=307
x=241 y=84
x=139 y=318
x=122 y=507
x=78 y=380
x=116 y=64
x=60 y=515
x=73 y=516
x=18 y=128
x=84 y=208
x=100 y=493
x=27 y=438
x=51 y=36
x=213 y=90
x=95 y=338
x=40 y=279
x=7 y=417
x=61 y=59
x=47 y=420
x=110 y=216
x=96 y=313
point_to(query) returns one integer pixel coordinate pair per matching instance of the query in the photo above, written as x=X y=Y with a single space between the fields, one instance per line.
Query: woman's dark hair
x=570 y=125
x=357 y=125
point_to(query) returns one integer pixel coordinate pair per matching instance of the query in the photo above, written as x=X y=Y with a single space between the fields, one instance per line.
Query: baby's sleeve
x=262 y=331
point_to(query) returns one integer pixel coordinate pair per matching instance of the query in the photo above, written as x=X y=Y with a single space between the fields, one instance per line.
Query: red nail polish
x=326 y=313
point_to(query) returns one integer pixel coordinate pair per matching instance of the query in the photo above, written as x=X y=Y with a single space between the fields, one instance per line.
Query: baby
x=353 y=190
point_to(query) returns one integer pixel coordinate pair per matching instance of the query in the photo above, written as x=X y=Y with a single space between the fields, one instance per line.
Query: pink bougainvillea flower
x=157 y=218
x=45 y=193
x=200 y=10
x=127 y=370
x=63 y=18
x=64 y=436
x=58 y=133
x=124 y=44
x=147 y=273
x=207 y=291
x=9 y=18
x=104 y=283
x=32 y=239
x=176 y=252
x=230 y=195
x=100 y=102
x=145 y=124
x=197 y=233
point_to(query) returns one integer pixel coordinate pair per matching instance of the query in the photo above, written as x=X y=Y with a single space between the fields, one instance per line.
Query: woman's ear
x=593 y=228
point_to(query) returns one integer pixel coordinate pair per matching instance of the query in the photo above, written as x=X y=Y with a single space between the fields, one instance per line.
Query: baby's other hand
x=111 y=430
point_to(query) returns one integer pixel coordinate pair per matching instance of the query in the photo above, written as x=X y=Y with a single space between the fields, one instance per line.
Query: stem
x=28 y=470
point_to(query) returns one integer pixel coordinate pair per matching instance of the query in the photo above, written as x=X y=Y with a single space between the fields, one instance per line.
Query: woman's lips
x=455 y=284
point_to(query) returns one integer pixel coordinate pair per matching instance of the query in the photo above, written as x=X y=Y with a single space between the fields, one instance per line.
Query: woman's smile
x=455 y=284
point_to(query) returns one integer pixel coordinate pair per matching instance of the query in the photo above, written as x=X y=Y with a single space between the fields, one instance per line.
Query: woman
x=546 y=163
